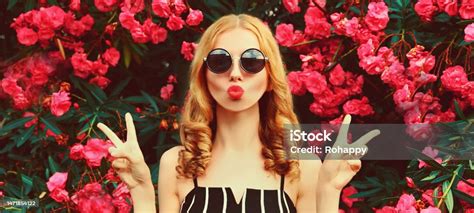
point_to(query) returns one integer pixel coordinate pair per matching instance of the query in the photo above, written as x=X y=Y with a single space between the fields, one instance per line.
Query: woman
x=232 y=157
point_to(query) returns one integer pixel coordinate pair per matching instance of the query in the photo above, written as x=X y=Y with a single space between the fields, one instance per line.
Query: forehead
x=237 y=40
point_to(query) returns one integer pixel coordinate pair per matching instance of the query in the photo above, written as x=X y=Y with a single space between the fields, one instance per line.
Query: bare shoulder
x=170 y=156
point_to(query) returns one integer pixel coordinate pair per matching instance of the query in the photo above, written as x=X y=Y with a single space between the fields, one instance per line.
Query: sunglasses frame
x=240 y=61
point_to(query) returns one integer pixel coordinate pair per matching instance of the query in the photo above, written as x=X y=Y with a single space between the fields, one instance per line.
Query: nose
x=235 y=72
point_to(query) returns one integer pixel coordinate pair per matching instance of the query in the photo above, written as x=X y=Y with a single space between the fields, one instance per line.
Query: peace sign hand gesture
x=337 y=170
x=129 y=163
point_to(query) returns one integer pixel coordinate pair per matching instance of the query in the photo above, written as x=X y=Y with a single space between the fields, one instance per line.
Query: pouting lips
x=235 y=92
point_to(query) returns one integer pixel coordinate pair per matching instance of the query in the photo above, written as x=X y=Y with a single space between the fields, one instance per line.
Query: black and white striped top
x=221 y=199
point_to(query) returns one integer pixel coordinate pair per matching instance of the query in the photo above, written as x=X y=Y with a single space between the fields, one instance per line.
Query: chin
x=237 y=105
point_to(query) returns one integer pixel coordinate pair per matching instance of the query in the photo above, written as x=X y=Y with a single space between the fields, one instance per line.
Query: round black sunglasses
x=219 y=60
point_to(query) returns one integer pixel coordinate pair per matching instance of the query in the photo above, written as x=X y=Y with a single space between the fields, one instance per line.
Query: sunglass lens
x=252 y=60
x=219 y=61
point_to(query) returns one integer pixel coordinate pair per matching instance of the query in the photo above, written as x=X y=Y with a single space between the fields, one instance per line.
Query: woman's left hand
x=336 y=170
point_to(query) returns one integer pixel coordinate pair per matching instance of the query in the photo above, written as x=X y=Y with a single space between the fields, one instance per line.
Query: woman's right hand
x=129 y=163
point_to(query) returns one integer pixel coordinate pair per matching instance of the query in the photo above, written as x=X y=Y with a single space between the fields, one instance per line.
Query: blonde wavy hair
x=198 y=124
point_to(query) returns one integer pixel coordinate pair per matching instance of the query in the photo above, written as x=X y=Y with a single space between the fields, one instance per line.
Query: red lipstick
x=235 y=92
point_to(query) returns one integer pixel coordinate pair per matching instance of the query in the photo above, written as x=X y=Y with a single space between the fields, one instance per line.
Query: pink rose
x=45 y=34
x=127 y=20
x=317 y=26
x=348 y=191
x=139 y=35
x=292 y=6
x=82 y=66
x=26 y=36
x=133 y=6
x=99 y=68
x=172 y=79
x=59 y=195
x=296 y=83
x=194 y=18
x=430 y=210
x=75 y=5
x=406 y=204
x=60 y=103
x=156 y=33
x=20 y=101
x=387 y=209
x=57 y=181
x=105 y=5
x=10 y=86
x=76 y=152
x=100 y=81
x=464 y=187
x=449 y=6
x=166 y=92
x=466 y=11
x=410 y=182
x=95 y=150
x=336 y=76
x=469 y=33
x=161 y=8
x=315 y=82
x=430 y=152
x=187 y=50
x=111 y=56
x=454 y=78
x=93 y=199
x=425 y=9
x=175 y=23
x=284 y=34
x=358 y=107
x=377 y=16
x=178 y=7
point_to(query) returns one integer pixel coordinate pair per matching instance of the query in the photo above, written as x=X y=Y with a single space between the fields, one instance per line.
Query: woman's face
x=224 y=87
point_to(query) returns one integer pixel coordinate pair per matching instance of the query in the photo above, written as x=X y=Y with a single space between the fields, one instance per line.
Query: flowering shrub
x=72 y=64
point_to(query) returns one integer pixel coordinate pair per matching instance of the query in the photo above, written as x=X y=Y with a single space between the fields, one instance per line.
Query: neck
x=238 y=131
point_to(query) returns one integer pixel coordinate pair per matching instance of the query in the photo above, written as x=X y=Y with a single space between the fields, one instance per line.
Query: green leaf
x=151 y=100
x=51 y=125
x=25 y=136
x=458 y=110
x=368 y=193
x=463 y=196
x=11 y=4
x=127 y=56
x=435 y=196
x=53 y=165
x=53 y=2
x=97 y=92
x=432 y=176
x=449 y=197
x=27 y=183
x=428 y=160
x=15 y=124
x=13 y=190
x=119 y=88
x=29 y=5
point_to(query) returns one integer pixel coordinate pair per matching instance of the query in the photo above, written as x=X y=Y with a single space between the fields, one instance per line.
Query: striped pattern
x=221 y=199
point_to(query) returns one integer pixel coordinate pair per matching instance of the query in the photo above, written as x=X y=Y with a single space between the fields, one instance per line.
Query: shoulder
x=170 y=156
x=167 y=171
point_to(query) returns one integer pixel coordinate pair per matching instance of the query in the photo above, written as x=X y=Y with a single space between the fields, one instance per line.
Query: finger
x=120 y=163
x=355 y=165
x=120 y=153
x=342 y=135
x=131 y=135
x=366 y=138
x=110 y=134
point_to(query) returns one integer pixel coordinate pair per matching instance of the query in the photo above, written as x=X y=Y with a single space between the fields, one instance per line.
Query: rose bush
x=71 y=64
